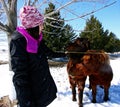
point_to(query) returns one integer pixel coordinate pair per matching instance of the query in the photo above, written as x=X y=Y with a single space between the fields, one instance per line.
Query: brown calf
x=84 y=62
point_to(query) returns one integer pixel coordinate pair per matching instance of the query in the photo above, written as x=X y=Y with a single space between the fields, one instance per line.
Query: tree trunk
x=9 y=58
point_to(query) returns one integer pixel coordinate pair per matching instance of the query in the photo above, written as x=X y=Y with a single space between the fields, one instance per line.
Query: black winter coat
x=33 y=82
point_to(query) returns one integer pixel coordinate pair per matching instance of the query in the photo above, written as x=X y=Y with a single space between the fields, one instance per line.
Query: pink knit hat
x=30 y=17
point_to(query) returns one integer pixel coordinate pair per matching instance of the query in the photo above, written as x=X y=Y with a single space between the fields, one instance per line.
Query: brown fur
x=97 y=66
x=92 y=63
x=76 y=77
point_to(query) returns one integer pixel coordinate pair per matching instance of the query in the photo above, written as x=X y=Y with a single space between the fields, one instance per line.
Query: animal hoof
x=93 y=101
x=106 y=99
x=74 y=99
x=80 y=105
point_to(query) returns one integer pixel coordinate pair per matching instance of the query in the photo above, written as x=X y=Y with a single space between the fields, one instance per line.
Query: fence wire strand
x=66 y=52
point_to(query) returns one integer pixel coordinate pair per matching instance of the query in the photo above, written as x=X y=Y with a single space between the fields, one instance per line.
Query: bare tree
x=8 y=11
x=9 y=8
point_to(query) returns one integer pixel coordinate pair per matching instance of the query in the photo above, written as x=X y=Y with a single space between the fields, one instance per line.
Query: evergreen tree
x=56 y=33
x=114 y=43
x=94 y=32
x=99 y=38
x=68 y=34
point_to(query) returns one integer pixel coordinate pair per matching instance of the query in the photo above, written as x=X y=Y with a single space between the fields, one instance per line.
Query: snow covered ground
x=61 y=79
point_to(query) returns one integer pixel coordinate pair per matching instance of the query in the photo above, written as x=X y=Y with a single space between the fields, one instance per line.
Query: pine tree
x=56 y=33
x=114 y=43
x=94 y=32
x=52 y=28
x=99 y=38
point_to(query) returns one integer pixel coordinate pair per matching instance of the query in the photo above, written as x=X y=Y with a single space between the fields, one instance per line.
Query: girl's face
x=40 y=28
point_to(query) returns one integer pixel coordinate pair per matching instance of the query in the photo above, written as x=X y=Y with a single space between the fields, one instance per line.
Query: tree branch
x=84 y=14
x=29 y=1
x=2 y=27
x=13 y=13
x=67 y=4
x=92 y=11
x=40 y=5
x=49 y=32
x=35 y=1
x=5 y=7
x=49 y=14
x=9 y=10
x=69 y=10
x=53 y=25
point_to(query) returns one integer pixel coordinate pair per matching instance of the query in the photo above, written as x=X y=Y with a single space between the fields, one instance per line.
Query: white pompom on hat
x=30 y=17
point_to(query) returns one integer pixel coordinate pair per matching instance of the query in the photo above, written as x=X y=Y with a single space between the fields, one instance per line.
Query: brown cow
x=84 y=62
x=96 y=64
x=76 y=77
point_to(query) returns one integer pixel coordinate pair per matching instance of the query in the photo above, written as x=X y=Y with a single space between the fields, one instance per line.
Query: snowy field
x=61 y=79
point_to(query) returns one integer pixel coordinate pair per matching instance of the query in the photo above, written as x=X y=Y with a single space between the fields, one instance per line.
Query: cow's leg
x=73 y=87
x=74 y=92
x=106 y=93
x=93 y=93
x=80 y=97
x=93 y=87
x=81 y=86
x=89 y=83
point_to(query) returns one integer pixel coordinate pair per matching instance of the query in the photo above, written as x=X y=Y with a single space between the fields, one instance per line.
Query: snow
x=61 y=79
